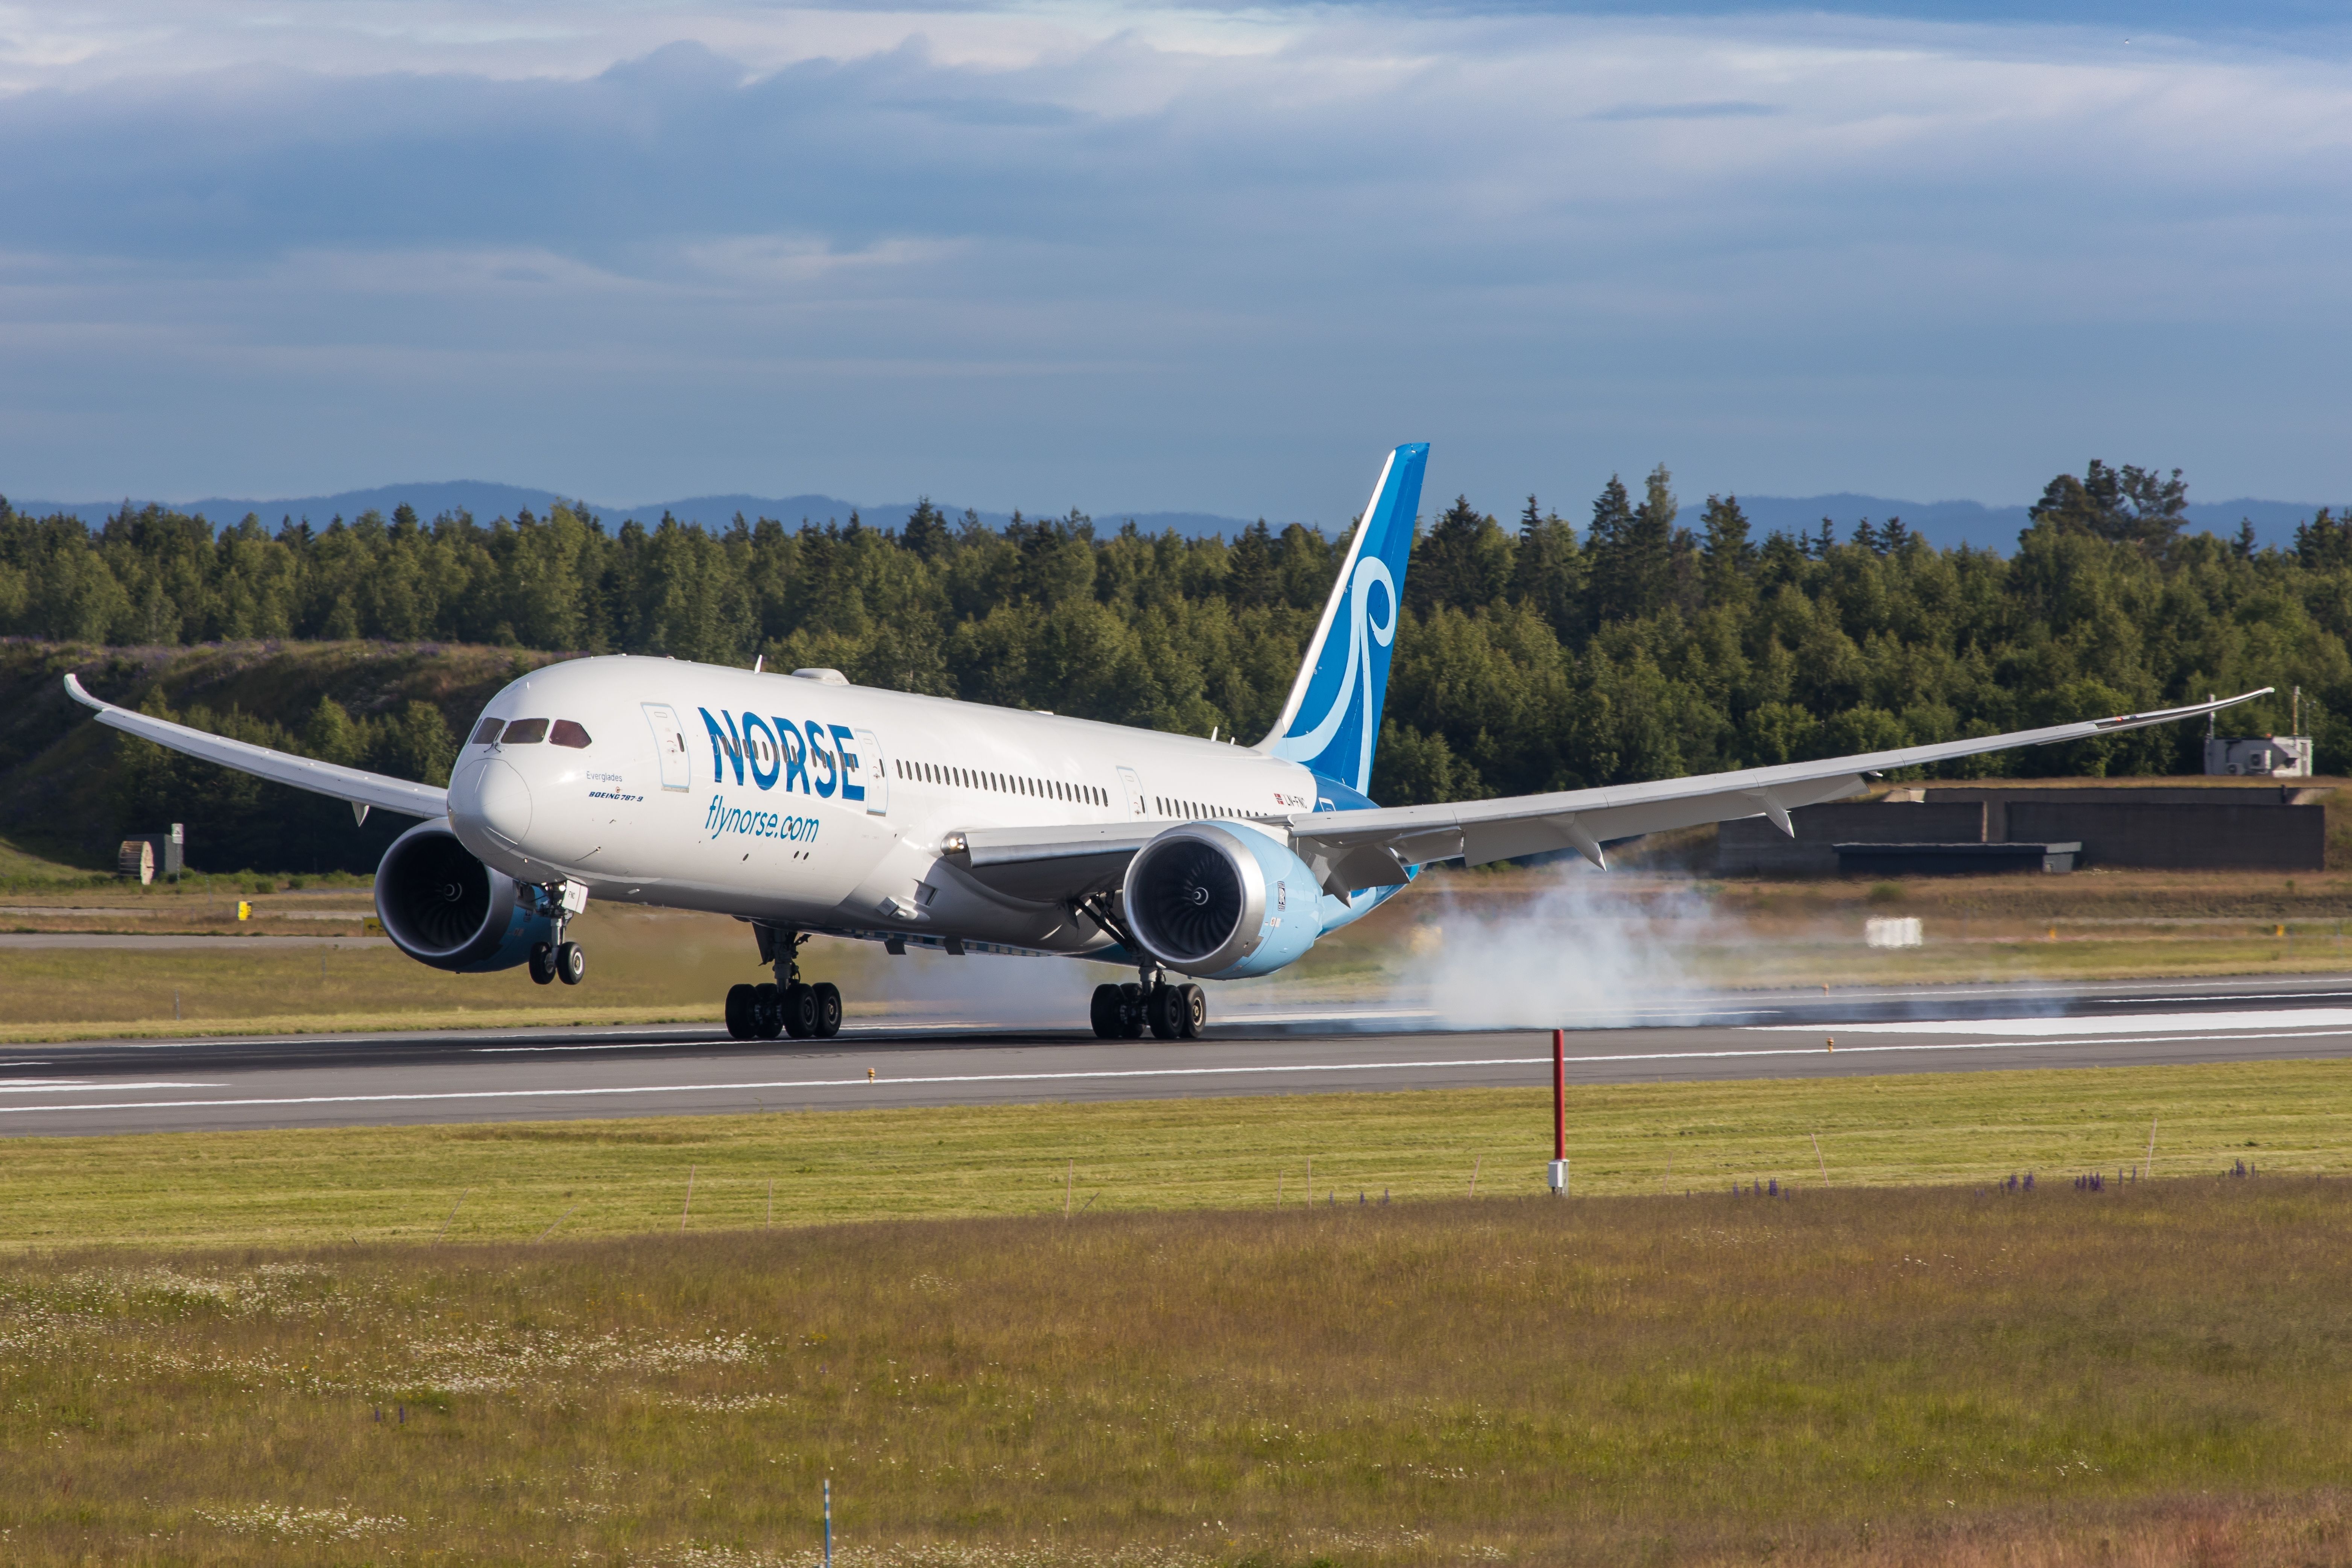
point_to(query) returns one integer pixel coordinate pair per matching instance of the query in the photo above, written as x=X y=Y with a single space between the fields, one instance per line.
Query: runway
x=324 y=1080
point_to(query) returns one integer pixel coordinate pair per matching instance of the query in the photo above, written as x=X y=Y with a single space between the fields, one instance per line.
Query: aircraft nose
x=494 y=796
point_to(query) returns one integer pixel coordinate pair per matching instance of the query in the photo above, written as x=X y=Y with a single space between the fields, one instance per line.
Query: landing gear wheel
x=542 y=965
x=767 y=1015
x=742 y=1012
x=800 y=1011
x=571 y=964
x=1103 y=1013
x=1192 y=1007
x=1133 y=1014
x=827 y=997
x=1164 y=1011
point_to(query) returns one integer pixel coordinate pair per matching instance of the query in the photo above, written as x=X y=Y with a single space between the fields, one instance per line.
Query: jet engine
x=443 y=907
x=1222 y=901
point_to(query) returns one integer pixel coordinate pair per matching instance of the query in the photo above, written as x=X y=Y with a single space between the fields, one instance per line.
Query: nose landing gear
x=558 y=959
x=788 y=1006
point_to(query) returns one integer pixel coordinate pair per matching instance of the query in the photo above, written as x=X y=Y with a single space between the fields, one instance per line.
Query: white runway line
x=448 y=1096
x=2116 y=1024
x=91 y=1085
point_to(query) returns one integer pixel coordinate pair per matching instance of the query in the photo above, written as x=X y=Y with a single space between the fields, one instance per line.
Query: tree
x=1547 y=572
x=926 y=533
x=1464 y=560
x=1633 y=548
x=2123 y=506
x=1729 y=556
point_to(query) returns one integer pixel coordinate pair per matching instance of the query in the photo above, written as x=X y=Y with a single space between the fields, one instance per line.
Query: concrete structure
x=1960 y=859
x=1754 y=847
x=2185 y=828
x=1964 y=826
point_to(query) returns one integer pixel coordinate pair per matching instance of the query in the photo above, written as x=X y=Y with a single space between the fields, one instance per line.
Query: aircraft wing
x=1372 y=849
x=361 y=788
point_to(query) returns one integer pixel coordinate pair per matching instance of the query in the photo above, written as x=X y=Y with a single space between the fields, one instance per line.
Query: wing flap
x=1049 y=865
x=352 y=785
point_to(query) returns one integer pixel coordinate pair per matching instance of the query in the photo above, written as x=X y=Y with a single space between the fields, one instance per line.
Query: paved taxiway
x=125 y=1085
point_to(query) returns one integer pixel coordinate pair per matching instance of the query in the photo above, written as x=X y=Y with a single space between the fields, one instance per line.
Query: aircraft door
x=1134 y=785
x=669 y=741
x=876 y=774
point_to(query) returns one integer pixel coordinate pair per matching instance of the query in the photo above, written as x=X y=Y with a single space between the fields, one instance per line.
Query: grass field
x=517 y=1343
x=512 y=1181
x=2154 y=1374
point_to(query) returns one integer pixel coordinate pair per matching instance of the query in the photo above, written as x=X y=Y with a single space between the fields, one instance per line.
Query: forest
x=1535 y=651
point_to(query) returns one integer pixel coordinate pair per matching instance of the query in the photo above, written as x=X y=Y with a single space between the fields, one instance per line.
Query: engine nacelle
x=443 y=907
x=1222 y=901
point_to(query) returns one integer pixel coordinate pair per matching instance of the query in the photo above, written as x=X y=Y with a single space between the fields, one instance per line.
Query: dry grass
x=654 y=965
x=2159 y=1375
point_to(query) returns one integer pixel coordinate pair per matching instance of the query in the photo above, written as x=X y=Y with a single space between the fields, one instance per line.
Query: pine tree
x=1729 y=558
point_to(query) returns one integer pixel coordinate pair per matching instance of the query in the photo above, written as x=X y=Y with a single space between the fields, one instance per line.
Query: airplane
x=803 y=804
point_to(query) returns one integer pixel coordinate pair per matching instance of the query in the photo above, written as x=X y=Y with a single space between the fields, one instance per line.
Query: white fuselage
x=821 y=807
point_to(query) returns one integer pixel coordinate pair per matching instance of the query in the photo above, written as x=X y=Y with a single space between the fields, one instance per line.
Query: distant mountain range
x=1945 y=523
x=486 y=501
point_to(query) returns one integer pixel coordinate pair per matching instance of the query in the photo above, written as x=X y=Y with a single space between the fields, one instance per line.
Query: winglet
x=75 y=689
x=2166 y=715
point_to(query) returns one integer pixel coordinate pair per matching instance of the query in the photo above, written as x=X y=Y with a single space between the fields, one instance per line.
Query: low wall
x=1752 y=847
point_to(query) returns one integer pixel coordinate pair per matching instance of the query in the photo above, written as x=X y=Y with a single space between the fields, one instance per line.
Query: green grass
x=2159 y=1375
x=627 y=1177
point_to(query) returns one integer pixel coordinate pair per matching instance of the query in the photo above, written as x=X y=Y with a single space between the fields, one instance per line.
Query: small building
x=148 y=855
x=2258 y=756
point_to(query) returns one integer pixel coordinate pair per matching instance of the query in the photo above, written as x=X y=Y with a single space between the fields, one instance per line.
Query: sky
x=1159 y=257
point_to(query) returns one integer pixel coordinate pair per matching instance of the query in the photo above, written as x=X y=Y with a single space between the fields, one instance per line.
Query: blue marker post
x=828 y=1522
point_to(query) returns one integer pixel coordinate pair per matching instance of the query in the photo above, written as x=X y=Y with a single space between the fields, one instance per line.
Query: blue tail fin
x=1333 y=717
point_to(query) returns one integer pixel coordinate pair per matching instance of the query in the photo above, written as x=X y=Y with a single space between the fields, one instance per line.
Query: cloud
x=1723 y=108
x=1052 y=258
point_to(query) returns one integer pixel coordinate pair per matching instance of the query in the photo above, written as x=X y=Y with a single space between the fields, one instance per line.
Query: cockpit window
x=488 y=731
x=525 y=732
x=567 y=733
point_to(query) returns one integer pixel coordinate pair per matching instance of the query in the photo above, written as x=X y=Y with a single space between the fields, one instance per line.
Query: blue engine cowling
x=1222 y=901
x=443 y=907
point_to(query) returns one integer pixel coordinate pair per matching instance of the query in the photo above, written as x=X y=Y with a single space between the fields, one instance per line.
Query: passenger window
x=525 y=732
x=488 y=731
x=567 y=733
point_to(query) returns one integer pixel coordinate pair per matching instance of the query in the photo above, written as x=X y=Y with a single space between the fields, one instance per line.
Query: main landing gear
x=788 y=1006
x=1170 y=1012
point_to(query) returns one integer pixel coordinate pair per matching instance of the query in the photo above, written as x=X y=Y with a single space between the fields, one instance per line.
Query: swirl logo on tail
x=1332 y=720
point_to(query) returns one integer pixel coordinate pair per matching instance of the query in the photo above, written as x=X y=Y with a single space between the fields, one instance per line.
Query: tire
x=800 y=1010
x=1131 y=1011
x=767 y=1012
x=1161 y=1011
x=742 y=1012
x=1191 y=1011
x=827 y=996
x=542 y=965
x=1103 y=1013
x=571 y=964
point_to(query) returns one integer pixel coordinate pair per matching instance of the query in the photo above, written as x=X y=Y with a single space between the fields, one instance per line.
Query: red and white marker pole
x=1558 y=1174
